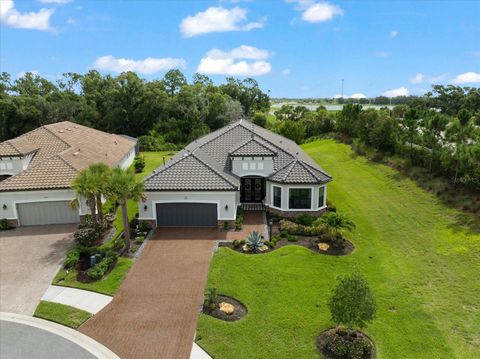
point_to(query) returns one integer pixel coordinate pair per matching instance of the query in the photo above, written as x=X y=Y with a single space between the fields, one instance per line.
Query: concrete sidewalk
x=82 y=299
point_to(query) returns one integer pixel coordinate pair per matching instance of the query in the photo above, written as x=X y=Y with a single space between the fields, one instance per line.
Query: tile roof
x=58 y=148
x=189 y=172
x=297 y=172
x=243 y=138
x=253 y=147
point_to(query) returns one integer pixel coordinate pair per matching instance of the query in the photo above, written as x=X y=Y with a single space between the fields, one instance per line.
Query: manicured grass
x=421 y=259
x=107 y=285
x=62 y=314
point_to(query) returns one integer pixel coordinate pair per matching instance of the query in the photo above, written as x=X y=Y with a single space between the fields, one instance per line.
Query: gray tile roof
x=214 y=151
x=297 y=172
x=187 y=171
x=253 y=147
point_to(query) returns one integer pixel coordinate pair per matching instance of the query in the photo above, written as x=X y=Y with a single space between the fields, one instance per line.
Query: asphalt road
x=19 y=341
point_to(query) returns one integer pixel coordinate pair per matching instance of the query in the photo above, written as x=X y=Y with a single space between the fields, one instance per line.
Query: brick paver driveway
x=155 y=311
x=29 y=259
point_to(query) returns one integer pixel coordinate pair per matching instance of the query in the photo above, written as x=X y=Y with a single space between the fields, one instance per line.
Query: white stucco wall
x=222 y=198
x=285 y=195
x=10 y=199
x=128 y=159
x=253 y=166
x=14 y=164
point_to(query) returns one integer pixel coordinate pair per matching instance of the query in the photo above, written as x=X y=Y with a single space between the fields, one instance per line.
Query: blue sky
x=294 y=48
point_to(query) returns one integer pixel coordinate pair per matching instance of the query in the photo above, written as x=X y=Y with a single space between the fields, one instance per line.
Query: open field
x=420 y=257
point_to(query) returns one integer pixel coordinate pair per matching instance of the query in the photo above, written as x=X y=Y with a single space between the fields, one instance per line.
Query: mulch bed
x=322 y=339
x=307 y=242
x=239 y=312
x=83 y=265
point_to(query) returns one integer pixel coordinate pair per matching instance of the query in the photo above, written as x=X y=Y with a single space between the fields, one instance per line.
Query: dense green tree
x=433 y=129
x=260 y=119
x=292 y=130
x=248 y=93
x=173 y=81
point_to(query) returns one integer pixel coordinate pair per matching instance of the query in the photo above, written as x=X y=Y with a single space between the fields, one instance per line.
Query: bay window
x=300 y=198
x=277 y=196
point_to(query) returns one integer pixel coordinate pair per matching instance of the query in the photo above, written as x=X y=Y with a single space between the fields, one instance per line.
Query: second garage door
x=186 y=215
x=54 y=212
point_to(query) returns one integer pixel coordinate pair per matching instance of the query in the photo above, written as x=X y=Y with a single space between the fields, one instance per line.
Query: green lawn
x=62 y=314
x=107 y=285
x=420 y=257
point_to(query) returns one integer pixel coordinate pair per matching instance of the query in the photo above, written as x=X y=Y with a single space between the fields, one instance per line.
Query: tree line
x=165 y=112
x=439 y=131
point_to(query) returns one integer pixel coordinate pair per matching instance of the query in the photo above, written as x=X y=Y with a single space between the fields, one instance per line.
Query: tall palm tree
x=100 y=173
x=84 y=186
x=123 y=186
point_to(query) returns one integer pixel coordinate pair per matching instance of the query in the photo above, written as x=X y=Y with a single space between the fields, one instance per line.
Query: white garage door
x=54 y=212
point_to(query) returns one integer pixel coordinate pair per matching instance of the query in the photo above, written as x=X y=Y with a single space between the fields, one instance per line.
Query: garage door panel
x=186 y=214
x=51 y=212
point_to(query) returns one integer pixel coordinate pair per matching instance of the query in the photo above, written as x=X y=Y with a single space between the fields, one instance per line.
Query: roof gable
x=253 y=147
x=297 y=172
x=189 y=172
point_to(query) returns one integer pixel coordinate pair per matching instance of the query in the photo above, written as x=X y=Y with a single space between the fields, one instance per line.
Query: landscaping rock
x=226 y=308
x=323 y=246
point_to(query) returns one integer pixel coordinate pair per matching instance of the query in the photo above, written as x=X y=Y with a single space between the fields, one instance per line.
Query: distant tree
x=248 y=93
x=411 y=124
x=202 y=80
x=292 y=130
x=434 y=126
x=348 y=119
x=173 y=81
x=260 y=119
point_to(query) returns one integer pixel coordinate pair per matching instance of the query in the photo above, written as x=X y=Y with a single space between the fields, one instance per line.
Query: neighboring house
x=240 y=164
x=39 y=167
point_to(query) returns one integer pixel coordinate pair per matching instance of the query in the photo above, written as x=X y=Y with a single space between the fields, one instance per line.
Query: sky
x=293 y=48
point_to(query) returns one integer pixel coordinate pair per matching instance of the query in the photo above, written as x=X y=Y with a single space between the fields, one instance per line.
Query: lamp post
x=270 y=224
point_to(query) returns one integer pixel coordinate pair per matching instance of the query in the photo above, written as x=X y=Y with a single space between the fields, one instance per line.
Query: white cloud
x=393 y=34
x=149 y=65
x=28 y=20
x=70 y=21
x=358 y=95
x=218 y=62
x=420 y=78
x=218 y=19
x=401 y=91
x=317 y=11
x=475 y=53
x=467 y=77
x=381 y=54
x=55 y=1
x=286 y=72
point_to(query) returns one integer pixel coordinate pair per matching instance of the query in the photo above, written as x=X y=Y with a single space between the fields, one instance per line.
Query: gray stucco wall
x=253 y=166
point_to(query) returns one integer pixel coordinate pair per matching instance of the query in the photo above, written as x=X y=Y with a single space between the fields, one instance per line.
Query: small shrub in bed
x=331 y=207
x=270 y=244
x=139 y=164
x=254 y=242
x=304 y=219
x=283 y=234
x=139 y=239
x=236 y=243
x=345 y=343
x=226 y=225
x=292 y=238
x=4 y=224
x=99 y=269
x=86 y=236
x=211 y=298
x=73 y=256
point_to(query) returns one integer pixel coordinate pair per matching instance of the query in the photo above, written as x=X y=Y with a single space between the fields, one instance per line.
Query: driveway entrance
x=155 y=311
x=29 y=259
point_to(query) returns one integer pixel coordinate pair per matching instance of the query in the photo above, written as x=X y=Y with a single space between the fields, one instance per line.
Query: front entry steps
x=253 y=207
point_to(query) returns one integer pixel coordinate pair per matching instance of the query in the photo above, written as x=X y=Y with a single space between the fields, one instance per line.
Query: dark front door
x=252 y=189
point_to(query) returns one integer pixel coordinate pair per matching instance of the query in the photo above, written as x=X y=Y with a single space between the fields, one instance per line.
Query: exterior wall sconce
x=145 y=208
x=4 y=206
x=226 y=207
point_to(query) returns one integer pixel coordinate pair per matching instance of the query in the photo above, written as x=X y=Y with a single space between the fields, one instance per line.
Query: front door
x=252 y=189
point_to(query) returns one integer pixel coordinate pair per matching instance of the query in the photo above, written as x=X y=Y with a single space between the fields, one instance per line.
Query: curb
x=87 y=343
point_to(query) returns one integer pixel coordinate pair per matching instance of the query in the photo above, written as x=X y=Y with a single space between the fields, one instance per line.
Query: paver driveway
x=155 y=311
x=29 y=259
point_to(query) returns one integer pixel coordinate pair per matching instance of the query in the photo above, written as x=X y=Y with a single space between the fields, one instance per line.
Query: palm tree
x=337 y=222
x=100 y=173
x=122 y=187
x=84 y=186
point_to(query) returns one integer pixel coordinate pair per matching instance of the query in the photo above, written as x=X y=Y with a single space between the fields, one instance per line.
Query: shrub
x=211 y=298
x=239 y=219
x=283 y=234
x=73 y=256
x=352 y=302
x=99 y=269
x=331 y=207
x=226 y=225
x=305 y=219
x=275 y=239
x=337 y=222
x=347 y=344
x=254 y=241
x=86 y=236
x=236 y=243
x=4 y=224
x=139 y=239
x=270 y=244
x=289 y=227
x=292 y=238
x=139 y=164
x=143 y=226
